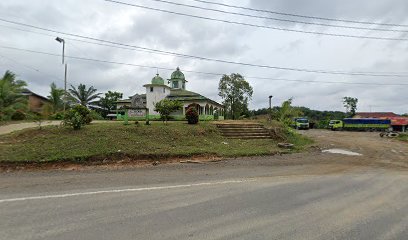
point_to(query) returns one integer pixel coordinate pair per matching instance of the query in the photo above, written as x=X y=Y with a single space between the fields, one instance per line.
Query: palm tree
x=11 y=98
x=83 y=96
x=55 y=97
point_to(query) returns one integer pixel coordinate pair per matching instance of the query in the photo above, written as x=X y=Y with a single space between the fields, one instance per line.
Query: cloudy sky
x=216 y=40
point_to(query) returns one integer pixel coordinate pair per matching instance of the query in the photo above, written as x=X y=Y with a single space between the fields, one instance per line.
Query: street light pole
x=270 y=107
x=58 y=39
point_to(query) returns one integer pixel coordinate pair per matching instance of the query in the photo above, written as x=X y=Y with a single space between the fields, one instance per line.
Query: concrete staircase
x=243 y=130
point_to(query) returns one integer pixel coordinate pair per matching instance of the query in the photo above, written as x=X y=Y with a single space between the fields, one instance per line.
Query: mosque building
x=141 y=105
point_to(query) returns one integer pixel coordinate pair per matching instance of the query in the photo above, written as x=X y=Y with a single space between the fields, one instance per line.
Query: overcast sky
x=204 y=38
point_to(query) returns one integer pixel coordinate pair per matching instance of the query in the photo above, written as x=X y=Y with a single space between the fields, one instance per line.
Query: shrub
x=18 y=115
x=165 y=107
x=57 y=116
x=84 y=112
x=216 y=115
x=96 y=116
x=73 y=119
x=192 y=115
x=38 y=118
x=77 y=116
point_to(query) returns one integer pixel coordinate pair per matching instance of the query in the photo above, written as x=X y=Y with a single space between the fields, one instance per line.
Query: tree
x=83 y=96
x=56 y=98
x=108 y=102
x=287 y=112
x=11 y=98
x=165 y=107
x=77 y=116
x=350 y=104
x=192 y=115
x=236 y=92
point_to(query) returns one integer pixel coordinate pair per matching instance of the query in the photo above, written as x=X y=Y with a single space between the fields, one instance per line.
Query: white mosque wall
x=155 y=94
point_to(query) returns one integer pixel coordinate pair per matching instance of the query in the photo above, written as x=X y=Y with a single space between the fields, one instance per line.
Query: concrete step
x=243 y=131
x=249 y=137
x=245 y=134
x=239 y=126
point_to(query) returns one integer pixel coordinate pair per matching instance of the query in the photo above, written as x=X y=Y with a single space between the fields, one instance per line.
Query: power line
x=388 y=74
x=256 y=25
x=31 y=68
x=199 y=72
x=280 y=19
x=139 y=50
x=302 y=16
x=84 y=41
x=378 y=74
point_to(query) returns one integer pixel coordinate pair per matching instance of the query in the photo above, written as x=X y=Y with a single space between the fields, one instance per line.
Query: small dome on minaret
x=158 y=80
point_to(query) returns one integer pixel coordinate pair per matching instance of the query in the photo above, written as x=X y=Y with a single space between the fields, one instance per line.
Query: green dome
x=158 y=80
x=178 y=74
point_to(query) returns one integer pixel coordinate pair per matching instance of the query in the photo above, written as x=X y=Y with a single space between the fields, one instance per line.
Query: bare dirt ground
x=9 y=128
x=376 y=151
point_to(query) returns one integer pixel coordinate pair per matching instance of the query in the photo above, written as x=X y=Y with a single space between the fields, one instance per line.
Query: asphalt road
x=233 y=200
x=311 y=195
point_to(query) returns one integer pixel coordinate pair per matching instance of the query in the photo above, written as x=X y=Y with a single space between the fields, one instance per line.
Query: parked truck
x=360 y=124
x=301 y=123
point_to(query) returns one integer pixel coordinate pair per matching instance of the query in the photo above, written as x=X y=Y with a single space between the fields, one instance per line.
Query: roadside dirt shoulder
x=374 y=150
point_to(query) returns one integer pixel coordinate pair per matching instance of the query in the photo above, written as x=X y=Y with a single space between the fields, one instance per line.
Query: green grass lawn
x=403 y=137
x=115 y=141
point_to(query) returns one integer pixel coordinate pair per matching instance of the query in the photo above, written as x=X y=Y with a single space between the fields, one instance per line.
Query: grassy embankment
x=115 y=141
x=403 y=137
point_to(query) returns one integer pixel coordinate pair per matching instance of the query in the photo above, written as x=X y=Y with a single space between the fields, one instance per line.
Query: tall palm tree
x=11 y=98
x=82 y=95
x=55 y=97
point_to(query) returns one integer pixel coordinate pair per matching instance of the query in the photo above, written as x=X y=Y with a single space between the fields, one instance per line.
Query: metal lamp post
x=60 y=40
x=270 y=107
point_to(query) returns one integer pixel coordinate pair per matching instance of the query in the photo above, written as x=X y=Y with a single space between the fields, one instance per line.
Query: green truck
x=360 y=124
x=301 y=123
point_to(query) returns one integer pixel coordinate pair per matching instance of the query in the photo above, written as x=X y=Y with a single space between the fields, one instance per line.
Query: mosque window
x=151 y=89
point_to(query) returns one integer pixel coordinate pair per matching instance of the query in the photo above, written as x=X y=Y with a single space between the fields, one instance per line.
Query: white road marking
x=122 y=190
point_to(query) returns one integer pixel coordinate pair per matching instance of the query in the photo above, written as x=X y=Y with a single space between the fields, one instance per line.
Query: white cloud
x=214 y=40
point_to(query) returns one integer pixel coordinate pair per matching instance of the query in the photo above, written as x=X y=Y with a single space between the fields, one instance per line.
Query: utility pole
x=60 y=40
x=270 y=108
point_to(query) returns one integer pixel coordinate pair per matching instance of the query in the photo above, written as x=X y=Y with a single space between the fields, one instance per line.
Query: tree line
x=235 y=91
x=13 y=103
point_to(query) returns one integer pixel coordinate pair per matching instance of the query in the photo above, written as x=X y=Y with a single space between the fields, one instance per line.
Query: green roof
x=158 y=80
x=184 y=95
x=177 y=74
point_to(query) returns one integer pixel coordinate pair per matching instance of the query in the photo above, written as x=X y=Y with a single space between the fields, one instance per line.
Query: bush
x=96 y=116
x=192 y=115
x=18 y=115
x=84 y=112
x=73 y=119
x=57 y=116
x=165 y=107
x=77 y=116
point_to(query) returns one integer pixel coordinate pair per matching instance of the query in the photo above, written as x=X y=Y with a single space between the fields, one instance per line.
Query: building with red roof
x=398 y=123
